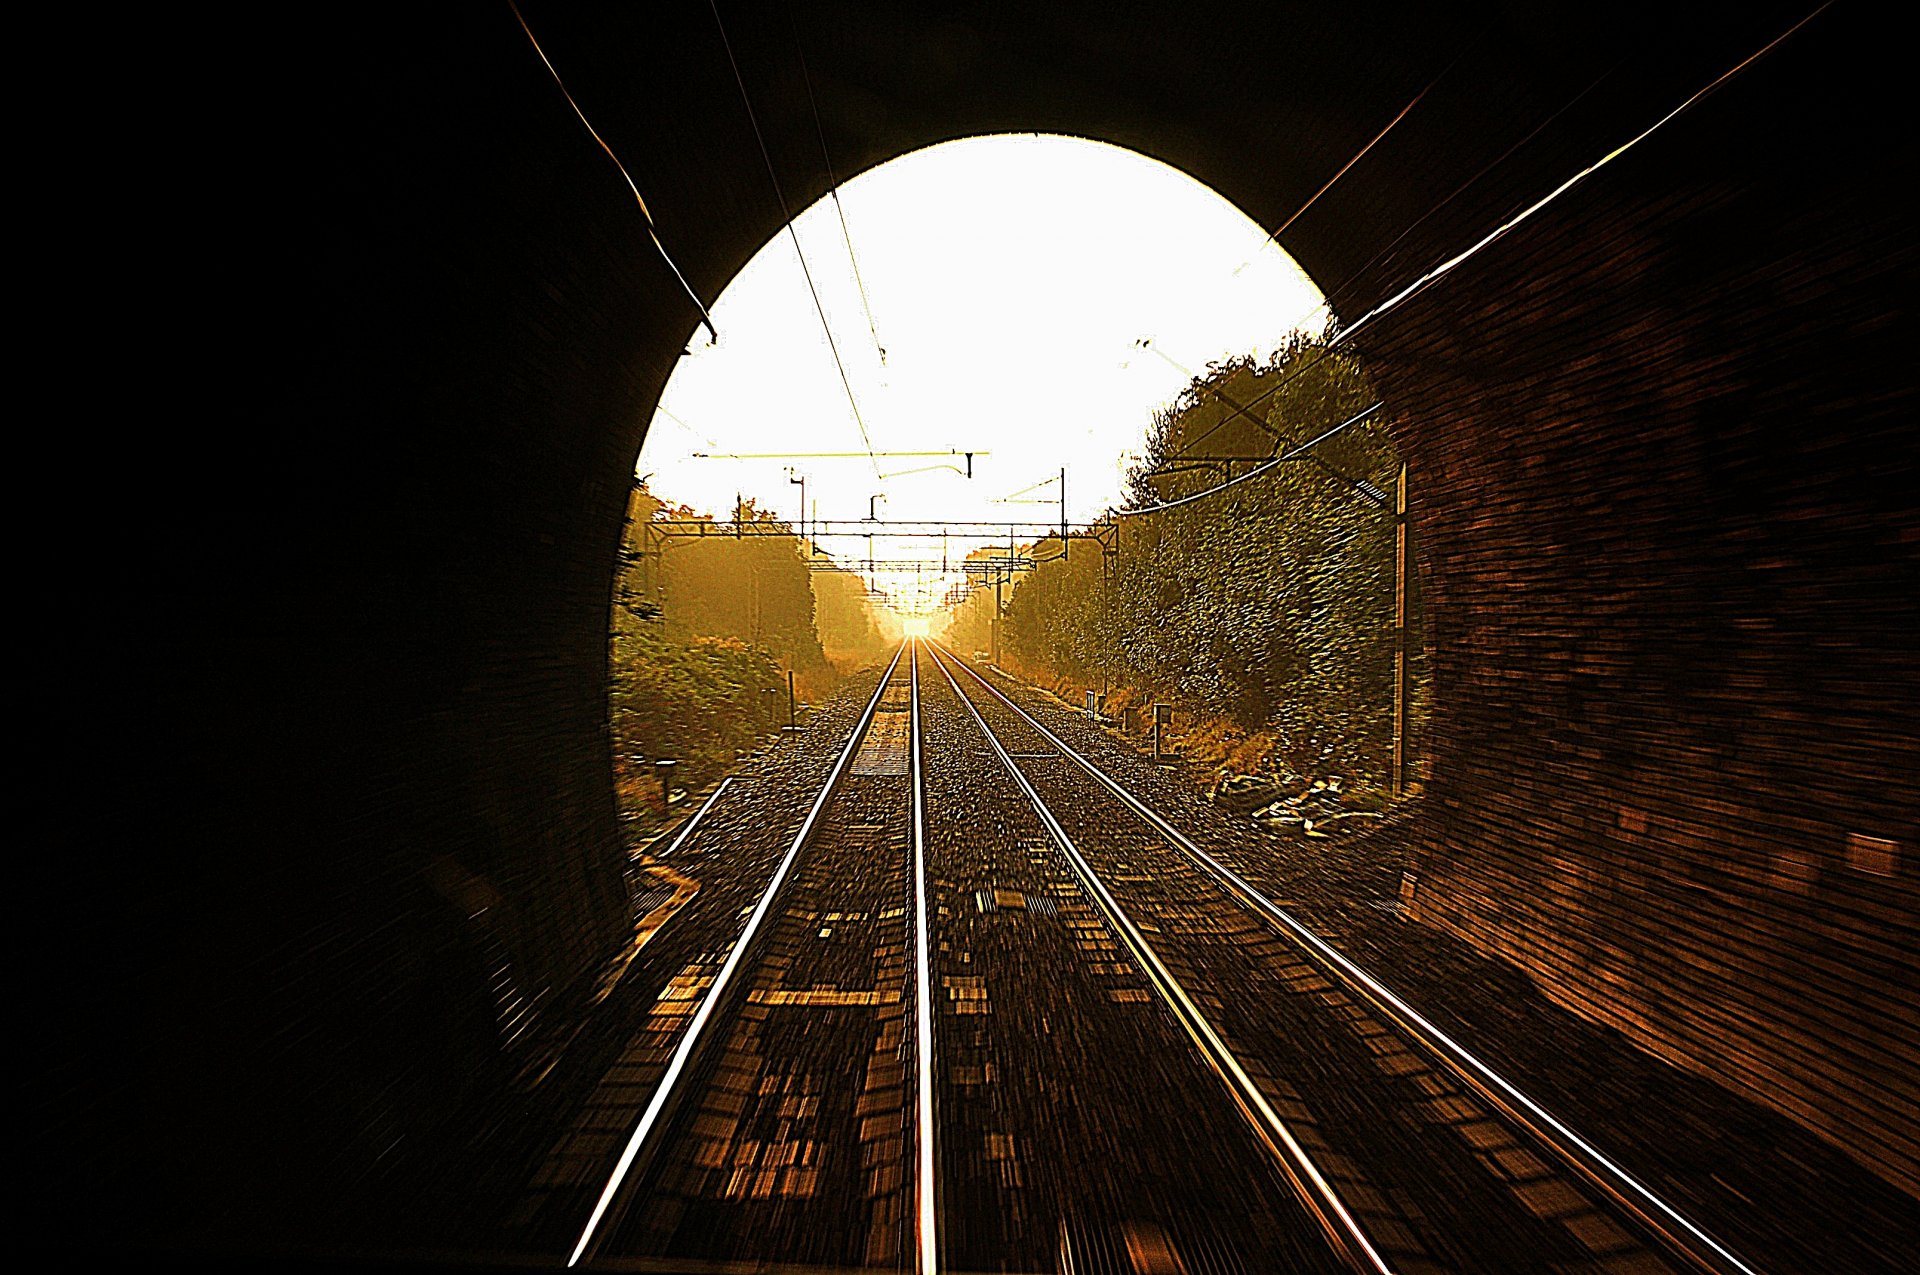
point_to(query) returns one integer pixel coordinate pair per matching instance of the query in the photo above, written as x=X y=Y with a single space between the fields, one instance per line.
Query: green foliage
x=971 y=626
x=845 y=619
x=695 y=701
x=704 y=632
x=1065 y=582
x=754 y=588
x=1268 y=603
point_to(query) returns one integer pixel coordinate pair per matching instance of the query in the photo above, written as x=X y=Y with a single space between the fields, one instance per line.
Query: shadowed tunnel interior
x=1661 y=434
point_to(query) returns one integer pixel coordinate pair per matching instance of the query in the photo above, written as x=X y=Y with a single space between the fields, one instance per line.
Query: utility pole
x=1106 y=619
x=648 y=574
x=873 y=515
x=1003 y=573
x=794 y=476
x=1063 y=509
x=996 y=616
x=1400 y=688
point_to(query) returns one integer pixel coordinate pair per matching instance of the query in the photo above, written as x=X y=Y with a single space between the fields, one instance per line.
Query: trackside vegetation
x=704 y=633
x=1264 y=610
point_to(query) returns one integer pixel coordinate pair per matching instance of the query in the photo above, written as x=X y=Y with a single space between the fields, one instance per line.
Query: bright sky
x=1010 y=278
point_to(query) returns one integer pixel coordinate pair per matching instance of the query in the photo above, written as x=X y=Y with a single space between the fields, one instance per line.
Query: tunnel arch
x=1666 y=503
x=1000 y=333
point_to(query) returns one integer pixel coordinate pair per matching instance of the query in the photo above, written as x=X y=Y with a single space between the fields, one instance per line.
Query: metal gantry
x=657 y=535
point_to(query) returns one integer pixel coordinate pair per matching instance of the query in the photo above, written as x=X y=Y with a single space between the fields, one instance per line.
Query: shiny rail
x=1678 y=1236
x=712 y=800
x=926 y=1220
x=1337 y=1223
x=694 y=1038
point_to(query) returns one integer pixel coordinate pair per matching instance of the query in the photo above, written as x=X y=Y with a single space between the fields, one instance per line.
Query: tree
x=754 y=588
x=702 y=631
x=844 y=617
x=1269 y=601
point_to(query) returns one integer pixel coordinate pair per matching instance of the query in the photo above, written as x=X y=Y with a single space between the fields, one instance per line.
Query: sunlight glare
x=1012 y=279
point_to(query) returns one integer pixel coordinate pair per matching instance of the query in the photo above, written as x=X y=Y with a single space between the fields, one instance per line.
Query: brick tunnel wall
x=1675 y=714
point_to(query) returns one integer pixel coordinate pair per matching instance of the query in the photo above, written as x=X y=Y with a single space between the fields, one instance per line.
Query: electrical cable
x=1274 y=235
x=647 y=216
x=787 y=213
x=1239 y=408
x=1446 y=267
x=1008 y=498
x=833 y=188
x=1282 y=228
x=662 y=411
x=1340 y=289
x=1269 y=466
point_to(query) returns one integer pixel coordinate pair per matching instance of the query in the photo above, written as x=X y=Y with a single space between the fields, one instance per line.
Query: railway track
x=1435 y=1162
x=786 y=1116
x=987 y=1010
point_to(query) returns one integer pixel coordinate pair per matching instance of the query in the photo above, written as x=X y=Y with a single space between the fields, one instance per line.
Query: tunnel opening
x=1045 y=302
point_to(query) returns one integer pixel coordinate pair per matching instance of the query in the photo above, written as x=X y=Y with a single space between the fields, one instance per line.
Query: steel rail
x=927 y=1220
x=691 y=1039
x=1342 y=1230
x=1654 y=1214
x=700 y=814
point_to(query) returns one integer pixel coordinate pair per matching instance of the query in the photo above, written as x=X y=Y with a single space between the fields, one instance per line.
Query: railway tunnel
x=1662 y=432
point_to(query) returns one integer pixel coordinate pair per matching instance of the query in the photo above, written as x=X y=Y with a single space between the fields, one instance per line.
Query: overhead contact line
x=645 y=215
x=794 y=235
x=833 y=188
x=1444 y=268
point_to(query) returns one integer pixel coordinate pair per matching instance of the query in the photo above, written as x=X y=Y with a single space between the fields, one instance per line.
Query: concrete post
x=1397 y=777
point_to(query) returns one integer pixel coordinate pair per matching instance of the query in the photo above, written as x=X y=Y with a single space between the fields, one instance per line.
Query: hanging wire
x=1358 y=155
x=683 y=425
x=1012 y=497
x=1237 y=408
x=1293 y=454
x=1340 y=289
x=833 y=188
x=647 y=216
x=787 y=213
x=1454 y=262
x=1448 y=266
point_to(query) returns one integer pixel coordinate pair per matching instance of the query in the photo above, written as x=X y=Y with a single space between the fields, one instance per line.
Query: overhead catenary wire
x=1340 y=289
x=787 y=214
x=1281 y=229
x=662 y=411
x=1291 y=454
x=1274 y=234
x=1044 y=482
x=1448 y=266
x=1366 y=489
x=1237 y=408
x=645 y=215
x=833 y=188
x=1452 y=263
